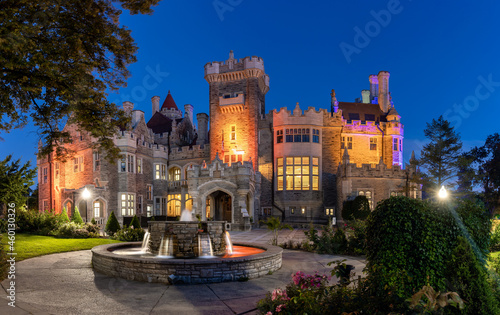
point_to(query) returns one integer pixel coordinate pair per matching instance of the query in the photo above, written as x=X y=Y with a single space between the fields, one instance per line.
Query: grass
x=29 y=246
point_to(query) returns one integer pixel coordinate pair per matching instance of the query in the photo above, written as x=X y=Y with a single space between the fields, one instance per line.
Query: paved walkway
x=66 y=284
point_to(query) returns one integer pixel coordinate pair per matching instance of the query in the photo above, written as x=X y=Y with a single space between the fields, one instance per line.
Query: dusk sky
x=443 y=58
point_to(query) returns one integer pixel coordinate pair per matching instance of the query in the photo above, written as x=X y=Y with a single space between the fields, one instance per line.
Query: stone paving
x=66 y=284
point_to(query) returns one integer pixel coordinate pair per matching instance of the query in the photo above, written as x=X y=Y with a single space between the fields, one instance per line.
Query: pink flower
x=269 y=313
x=280 y=307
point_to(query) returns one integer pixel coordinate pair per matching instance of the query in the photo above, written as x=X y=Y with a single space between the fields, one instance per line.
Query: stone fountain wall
x=185 y=236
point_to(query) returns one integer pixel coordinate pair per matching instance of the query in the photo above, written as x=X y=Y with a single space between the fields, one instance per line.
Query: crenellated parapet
x=199 y=151
x=379 y=170
x=311 y=116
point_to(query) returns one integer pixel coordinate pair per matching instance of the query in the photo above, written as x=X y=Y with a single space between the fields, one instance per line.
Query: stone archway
x=221 y=206
x=68 y=204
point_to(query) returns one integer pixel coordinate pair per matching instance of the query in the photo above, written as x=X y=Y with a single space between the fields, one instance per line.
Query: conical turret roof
x=169 y=102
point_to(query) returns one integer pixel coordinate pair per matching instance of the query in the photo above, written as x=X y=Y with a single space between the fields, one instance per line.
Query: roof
x=169 y=102
x=361 y=111
x=160 y=123
x=392 y=111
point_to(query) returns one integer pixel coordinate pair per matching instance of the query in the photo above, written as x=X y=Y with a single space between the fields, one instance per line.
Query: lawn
x=28 y=246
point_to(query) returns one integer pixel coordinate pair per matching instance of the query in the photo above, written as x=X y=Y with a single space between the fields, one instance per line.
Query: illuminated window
x=139 y=166
x=77 y=164
x=297 y=173
x=163 y=171
x=397 y=193
x=279 y=136
x=97 y=161
x=127 y=204
x=174 y=174
x=368 y=195
x=207 y=207
x=316 y=135
x=233 y=133
x=98 y=207
x=45 y=175
x=157 y=171
x=280 y=173
x=149 y=209
x=189 y=202
x=395 y=144
x=57 y=170
x=315 y=173
x=329 y=211
x=348 y=143
x=292 y=210
x=303 y=211
x=149 y=192
x=174 y=205
x=373 y=143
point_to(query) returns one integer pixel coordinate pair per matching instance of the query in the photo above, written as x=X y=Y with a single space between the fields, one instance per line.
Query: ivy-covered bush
x=112 y=226
x=410 y=242
x=128 y=234
x=64 y=215
x=495 y=239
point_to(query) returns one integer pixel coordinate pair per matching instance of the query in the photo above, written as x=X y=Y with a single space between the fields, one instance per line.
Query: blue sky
x=442 y=56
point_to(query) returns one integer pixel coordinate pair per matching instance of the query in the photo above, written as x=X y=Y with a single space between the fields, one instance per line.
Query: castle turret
x=237 y=100
x=155 y=101
x=128 y=107
x=383 y=91
x=365 y=96
x=188 y=113
x=202 y=128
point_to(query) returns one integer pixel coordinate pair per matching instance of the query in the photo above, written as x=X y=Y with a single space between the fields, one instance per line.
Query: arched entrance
x=69 y=208
x=219 y=206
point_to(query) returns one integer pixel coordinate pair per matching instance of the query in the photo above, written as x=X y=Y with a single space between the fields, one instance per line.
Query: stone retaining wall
x=188 y=271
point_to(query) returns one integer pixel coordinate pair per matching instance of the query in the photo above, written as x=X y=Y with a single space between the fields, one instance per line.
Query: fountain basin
x=185 y=236
x=187 y=271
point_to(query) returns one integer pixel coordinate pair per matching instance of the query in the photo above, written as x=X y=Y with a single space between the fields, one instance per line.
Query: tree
x=77 y=218
x=64 y=215
x=112 y=226
x=481 y=169
x=359 y=208
x=135 y=222
x=57 y=60
x=15 y=180
x=440 y=157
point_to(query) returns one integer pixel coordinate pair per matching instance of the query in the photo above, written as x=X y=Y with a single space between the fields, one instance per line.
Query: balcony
x=232 y=104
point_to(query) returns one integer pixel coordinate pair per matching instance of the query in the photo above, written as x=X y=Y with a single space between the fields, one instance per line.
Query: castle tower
x=237 y=90
x=383 y=91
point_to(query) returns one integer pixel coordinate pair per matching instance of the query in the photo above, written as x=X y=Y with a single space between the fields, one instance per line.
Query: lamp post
x=86 y=195
x=442 y=194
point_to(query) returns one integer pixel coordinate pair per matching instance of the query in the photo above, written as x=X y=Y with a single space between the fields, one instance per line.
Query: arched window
x=174 y=174
x=98 y=208
x=174 y=205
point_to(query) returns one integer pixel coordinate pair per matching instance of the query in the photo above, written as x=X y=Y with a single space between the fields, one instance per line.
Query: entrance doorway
x=220 y=206
x=82 y=208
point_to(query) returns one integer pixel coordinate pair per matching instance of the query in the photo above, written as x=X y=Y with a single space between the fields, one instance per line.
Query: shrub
x=35 y=222
x=128 y=234
x=76 y=230
x=77 y=218
x=93 y=221
x=93 y=229
x=356 y=243
x=470 y=280
x=64 y=215
x=359 y=208
x=3 y=225
x=112 y=226
x=135 y=222
x=495 y=239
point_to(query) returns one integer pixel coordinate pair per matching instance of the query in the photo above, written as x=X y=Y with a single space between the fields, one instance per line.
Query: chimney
x=202 y=128
x=373 y=86
x=155 y=100
x=128 y=107
x=137 y=115
x=383 y=91
x=188 y=112
x=365 y=96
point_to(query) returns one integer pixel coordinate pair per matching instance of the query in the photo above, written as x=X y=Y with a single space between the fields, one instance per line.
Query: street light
x=442 y=194
x=86 y=193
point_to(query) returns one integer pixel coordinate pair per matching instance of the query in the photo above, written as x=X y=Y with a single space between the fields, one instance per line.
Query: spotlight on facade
x=442 y=194
x=86 y=193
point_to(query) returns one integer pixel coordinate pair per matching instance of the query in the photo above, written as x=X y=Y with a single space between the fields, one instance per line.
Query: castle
x=248 y=165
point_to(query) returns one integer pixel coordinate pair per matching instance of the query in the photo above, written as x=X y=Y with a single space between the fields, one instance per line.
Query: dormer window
x=227 y=95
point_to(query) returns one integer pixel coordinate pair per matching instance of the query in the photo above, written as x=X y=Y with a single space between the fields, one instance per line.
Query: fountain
x=186 y=252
